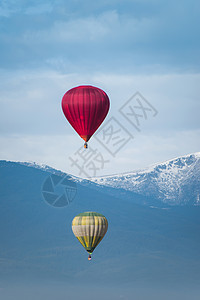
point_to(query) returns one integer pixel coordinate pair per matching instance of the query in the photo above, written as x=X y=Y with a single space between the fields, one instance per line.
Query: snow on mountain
x=175 y=182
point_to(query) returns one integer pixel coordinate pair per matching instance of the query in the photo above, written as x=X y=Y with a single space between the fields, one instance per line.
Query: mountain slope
x=143 y=246
x=175 y=182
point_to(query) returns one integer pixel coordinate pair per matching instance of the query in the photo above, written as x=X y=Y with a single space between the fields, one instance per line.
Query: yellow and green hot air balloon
x=89 y=228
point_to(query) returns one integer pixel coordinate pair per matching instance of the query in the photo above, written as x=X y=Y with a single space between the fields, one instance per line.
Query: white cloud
x=110 y=28
x=111 y=36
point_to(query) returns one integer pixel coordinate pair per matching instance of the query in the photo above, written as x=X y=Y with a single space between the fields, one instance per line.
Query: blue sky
x=48 y=47
x=79 y=36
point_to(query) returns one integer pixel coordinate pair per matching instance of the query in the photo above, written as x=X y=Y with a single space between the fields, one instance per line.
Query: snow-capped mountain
x=174 y=182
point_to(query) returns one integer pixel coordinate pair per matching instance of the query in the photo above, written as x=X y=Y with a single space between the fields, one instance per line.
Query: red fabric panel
x=85 y=107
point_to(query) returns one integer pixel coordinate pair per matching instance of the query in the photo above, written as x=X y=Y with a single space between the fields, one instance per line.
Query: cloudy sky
x=124 y=47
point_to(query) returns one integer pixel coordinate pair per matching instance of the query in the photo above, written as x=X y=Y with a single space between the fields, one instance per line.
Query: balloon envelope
x=85 y=107
x=89 y=228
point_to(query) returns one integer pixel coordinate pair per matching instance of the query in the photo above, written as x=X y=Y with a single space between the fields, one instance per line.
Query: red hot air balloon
x=85 y=107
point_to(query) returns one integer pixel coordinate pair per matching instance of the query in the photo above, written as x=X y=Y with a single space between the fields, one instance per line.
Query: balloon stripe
x=96 y=234
x=78 y=220
x=94 y=103
x=77 y=109
x=82 y=108
x=88 y=120
x=71 y=110
x=81 y=240
x=98 y=112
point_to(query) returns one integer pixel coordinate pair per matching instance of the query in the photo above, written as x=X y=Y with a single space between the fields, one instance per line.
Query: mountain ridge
x=47 y=167
x=173 y=182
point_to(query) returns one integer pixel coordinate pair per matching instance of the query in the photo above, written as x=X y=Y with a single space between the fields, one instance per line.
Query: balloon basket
x=89 y=257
